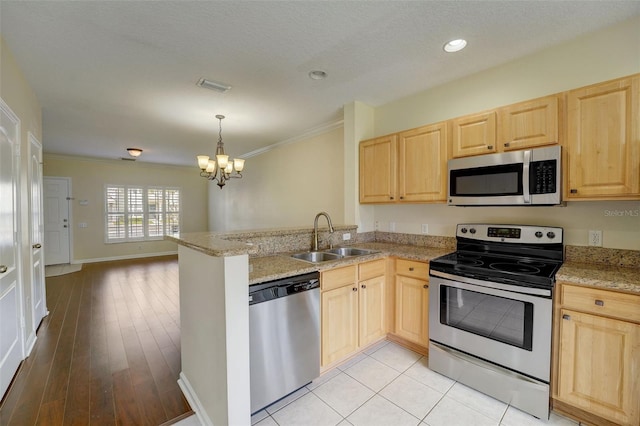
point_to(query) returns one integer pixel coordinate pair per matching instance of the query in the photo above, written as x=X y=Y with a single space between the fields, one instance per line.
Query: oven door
x=494 y=322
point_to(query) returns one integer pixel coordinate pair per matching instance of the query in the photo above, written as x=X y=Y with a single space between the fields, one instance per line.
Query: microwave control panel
x=542 y=177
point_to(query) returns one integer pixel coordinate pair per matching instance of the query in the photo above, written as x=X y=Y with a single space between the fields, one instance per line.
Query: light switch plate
x=346 y=236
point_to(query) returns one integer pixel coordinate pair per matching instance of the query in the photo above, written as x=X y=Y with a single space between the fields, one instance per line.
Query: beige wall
x=600 y=56
x=285 y=186
x=16 y=92
x=88 y=179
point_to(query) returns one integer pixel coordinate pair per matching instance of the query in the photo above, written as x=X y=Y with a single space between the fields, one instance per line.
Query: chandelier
x=220 y=169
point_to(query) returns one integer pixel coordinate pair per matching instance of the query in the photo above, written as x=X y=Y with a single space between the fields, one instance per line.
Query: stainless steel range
x=490 y=311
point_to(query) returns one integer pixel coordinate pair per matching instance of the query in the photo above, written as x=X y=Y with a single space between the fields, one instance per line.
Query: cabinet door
x=412 y=302
x=378 y=159
x=598 y=366
x=603 y=141
x=339 y=323
x=371 y=309
x=422 y=164
x=474 y=134
x=529 y=124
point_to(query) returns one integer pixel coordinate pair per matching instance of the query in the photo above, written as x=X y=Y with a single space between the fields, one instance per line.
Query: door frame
x=70 y=205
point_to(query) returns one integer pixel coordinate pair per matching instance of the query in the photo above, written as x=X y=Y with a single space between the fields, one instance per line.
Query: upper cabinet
x=378 y=161
x=422 y=164
x=410 y=166
x=529 y=124
x=474 y=134
x=602 y=155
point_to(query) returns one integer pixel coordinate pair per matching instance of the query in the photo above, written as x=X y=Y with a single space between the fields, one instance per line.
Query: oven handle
x=498 y=286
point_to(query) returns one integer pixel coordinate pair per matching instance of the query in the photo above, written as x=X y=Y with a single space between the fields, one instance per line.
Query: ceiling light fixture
x=220 y=169
x=134 y=152
x=213 y=85
x=455 y=45
x=317 y=75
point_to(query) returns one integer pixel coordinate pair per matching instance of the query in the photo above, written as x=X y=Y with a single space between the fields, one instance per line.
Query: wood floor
x=108 y=352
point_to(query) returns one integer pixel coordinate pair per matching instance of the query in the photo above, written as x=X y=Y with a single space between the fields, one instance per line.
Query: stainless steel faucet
x=315 y=228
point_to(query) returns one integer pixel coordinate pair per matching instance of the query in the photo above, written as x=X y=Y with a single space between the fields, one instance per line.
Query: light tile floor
x=389 y=385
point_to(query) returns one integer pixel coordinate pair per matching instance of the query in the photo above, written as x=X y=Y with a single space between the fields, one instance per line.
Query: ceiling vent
x=127 y=159
x=213 y=85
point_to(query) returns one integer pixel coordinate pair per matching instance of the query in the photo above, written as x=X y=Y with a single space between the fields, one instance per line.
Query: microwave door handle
x=525 y=176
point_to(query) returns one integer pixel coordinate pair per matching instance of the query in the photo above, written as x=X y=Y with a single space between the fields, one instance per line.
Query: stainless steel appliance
x=490 y=311
x=284 y=337
x=520 y=178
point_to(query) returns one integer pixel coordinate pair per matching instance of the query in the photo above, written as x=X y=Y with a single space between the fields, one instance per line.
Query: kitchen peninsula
x=215 y=272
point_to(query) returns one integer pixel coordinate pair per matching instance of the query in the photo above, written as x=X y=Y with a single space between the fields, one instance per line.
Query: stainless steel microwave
x=519 y=178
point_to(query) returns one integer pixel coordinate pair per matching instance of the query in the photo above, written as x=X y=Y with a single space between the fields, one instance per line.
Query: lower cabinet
x=412 y=301
x=598 y=368
x=353 y=309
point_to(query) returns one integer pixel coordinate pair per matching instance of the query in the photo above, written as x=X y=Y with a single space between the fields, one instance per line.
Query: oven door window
x=489 y=181
x=502 y=319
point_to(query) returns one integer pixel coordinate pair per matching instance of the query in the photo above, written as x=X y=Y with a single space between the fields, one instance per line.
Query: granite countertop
x=267 y=268
x=607 y=277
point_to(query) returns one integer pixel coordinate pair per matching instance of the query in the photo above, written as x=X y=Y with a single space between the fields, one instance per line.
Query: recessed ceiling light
x=317 y=75
x=455 y=45
x=213 y=85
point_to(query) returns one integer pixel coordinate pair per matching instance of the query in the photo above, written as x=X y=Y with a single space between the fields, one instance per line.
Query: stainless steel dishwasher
x=284 y=330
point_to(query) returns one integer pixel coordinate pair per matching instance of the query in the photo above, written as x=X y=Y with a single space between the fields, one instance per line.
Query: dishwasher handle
x=265 y=292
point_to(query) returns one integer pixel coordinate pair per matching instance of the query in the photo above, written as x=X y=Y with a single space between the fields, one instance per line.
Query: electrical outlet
x=392 y=227
x=425 y=228
x=595 y=238
x=346 y=236
x=377 y=225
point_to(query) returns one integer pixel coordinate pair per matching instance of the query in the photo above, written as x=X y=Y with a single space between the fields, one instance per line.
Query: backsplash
x=606 y=256
x=434 y=241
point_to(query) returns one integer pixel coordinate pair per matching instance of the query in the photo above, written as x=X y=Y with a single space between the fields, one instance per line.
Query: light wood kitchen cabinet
x=422 y=164
x=529 y=124
x=378 y=173
x=353 y=309
x=603 y=141
x=598 y=339
x=412 y=301
x=474 y=134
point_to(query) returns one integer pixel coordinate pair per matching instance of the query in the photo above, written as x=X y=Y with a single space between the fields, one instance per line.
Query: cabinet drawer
x=371 y=269
x=338 y=277
x=411 y=268
x=602 y=302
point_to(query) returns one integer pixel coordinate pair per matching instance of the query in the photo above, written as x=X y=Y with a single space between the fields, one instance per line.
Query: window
x=135 y=213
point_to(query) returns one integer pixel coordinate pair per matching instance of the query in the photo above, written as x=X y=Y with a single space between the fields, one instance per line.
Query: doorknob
x=64 y=226
x=37 y=246
x=3 y=269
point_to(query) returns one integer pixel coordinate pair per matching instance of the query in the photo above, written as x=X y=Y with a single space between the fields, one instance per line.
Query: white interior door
x=56 y=220
x=36 y=232
x=11 y=333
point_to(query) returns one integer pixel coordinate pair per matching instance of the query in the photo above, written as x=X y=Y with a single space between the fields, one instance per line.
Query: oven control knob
x=463 y=230
x=539 y=234
x=472 y=230
x=551 y=235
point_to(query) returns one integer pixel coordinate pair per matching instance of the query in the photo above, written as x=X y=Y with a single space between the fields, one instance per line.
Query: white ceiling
x=110 y=75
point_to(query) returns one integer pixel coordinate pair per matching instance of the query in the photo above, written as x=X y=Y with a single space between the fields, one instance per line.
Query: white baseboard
x=125 y=257
x=29 y=344
x=193 y=400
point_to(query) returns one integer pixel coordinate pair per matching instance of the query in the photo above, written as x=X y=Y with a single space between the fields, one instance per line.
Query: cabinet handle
x=425 y=286
x=566 y=317
x=3 y=269
x=489 y=146
x=363 y=286
x=507 y=144
x=401 y=197
x=411 y=269
x=599 y=302
x=355 y=289
x=37 y=246
x=573 y=191
x=391 y=198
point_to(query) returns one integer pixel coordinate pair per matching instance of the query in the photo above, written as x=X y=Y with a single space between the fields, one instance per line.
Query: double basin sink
x=331 y=254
